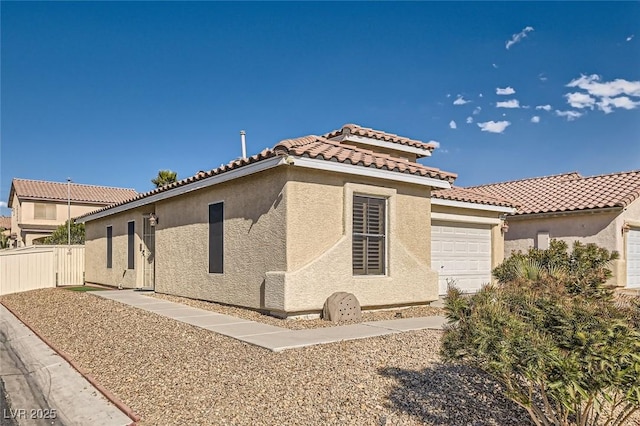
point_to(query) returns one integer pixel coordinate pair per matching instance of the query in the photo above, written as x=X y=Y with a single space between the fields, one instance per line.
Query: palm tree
x=165 y=177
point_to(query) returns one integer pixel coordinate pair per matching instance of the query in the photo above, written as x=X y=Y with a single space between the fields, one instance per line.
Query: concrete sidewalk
x=43 y=388
x=264 y=335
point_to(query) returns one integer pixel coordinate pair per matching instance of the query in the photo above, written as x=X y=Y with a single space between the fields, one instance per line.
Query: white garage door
x=461 y=252
x=633 y=258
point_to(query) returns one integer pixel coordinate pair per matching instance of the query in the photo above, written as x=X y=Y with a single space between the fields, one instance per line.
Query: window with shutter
x=369 y=235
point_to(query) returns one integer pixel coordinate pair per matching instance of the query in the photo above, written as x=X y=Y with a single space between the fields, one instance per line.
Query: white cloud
x=436 y=143
x=3 y=204
x=535 y=119
x=506 y=91
x=580 y=100
x=511 y=103
x=516 y=38
x=606 y=104
x=494 y=126
x=494 y=65
x=477 y=110
x=630 y=37
x=480 y=95
x=453 y=125
x=448 y=95
x=569 y=115
x=606 y=95
x=544 y=107
x=460 y=101
x=591 y=84
x=542 y=77
x=469 y=120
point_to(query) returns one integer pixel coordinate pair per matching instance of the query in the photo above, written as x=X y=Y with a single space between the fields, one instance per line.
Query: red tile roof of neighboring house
x=314 y=147
x=354 y=129
x=568 y=192
x=57 y=191
x=471 y=196
x=5 y=222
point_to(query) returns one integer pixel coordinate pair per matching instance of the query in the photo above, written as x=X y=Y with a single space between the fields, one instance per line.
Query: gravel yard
x=298 y=324
x=173 y=373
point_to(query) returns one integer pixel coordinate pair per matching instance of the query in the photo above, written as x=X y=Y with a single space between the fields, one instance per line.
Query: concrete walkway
x=264 y=335
x=43 y=388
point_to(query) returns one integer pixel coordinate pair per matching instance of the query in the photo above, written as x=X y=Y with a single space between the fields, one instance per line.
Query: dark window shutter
x=109 y=246
x=369 y=232
x=131 y=233
x=216 y=238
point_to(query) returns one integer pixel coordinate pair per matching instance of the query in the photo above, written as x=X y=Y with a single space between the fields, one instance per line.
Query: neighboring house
x=603 y=209
x=39 y=207
x=283 y=230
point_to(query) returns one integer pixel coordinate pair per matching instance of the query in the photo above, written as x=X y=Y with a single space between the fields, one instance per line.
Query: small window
x=216 y=238
x=542 y=240
x=109 y=246
x=369 y=235
x=131 y=233
x=44 y=211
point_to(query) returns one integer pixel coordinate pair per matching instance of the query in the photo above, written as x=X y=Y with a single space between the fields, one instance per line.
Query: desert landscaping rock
x=342 y=306
x=173 y=373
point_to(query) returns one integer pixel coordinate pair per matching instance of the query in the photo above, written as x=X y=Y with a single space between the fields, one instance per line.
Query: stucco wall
x=254 y=240
x=319 y=228
x=287 y=243
x=603 y=229
x=96 y=270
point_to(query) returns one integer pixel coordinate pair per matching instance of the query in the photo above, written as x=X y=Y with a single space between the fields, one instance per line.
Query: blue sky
x=109 y=93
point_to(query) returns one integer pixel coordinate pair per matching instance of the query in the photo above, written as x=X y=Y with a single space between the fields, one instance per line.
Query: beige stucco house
x=39 y=207
x=603 y=209
x=282 y=230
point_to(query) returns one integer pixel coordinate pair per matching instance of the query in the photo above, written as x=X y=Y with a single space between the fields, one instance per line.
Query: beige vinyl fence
x=33 y=267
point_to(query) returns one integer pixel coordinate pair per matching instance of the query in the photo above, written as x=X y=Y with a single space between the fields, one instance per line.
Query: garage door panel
x=633 y=258
x=461 y=252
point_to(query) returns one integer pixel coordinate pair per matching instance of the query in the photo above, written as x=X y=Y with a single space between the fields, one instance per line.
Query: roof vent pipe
x=244 y=144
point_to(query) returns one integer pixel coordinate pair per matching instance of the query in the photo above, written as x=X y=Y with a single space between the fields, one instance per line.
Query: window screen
x=44 y=211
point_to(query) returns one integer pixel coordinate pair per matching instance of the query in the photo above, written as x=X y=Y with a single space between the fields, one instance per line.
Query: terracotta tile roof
x=315 y=147
x=354 y=129
x=471 y=196
x=319 y=147
x=57 y=191
x=5 y=222
x=568 y=192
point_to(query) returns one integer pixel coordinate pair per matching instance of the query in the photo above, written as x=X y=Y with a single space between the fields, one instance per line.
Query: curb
x=106 y=393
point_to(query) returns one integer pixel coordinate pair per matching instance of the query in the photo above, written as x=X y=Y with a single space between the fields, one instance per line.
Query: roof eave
x=472 y=205
x=565 y=212
x=183 y=189
x=373 y=172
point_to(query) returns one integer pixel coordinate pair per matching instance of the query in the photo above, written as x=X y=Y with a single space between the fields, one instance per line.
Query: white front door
x=633 y=258
x=461 y=253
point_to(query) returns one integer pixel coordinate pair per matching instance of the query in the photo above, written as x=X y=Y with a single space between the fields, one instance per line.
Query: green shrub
x=553 y=335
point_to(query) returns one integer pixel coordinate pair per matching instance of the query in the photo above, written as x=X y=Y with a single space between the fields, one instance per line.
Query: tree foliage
x=554 y=335
x=61 y=236
x=165 y=177
x=4 y=239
